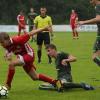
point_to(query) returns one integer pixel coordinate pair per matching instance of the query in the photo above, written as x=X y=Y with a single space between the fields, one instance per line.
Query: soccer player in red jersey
x=73 y=21
x=21 y=22
x=25 y=56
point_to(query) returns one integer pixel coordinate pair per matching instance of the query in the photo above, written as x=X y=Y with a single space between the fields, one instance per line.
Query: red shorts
x=27 y=61
x=73 y=26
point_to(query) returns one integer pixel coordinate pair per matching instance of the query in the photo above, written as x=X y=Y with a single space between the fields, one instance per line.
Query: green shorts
x=65 y=78
x=96 y=46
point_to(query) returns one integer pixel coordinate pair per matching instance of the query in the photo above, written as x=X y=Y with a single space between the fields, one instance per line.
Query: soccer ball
x=3 y=91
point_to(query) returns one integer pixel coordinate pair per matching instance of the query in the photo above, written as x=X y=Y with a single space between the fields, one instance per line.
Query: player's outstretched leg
x=77 y=85
x=87 y=87
x=10 y=76
x=56 y=85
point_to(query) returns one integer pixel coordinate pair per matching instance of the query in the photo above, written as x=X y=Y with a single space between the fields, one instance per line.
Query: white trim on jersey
x=29 y=49
x=11 y=40
x=21 y=59
x=18 y=18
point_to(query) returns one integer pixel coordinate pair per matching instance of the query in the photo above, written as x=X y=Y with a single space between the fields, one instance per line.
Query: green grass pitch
x=83 y=70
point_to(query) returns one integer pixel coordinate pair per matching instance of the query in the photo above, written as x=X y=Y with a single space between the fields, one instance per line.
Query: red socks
x=10 y=75
x=46 y=79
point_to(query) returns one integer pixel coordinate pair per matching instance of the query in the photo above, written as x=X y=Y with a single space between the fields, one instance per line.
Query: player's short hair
x=4 y=36
x=43 y=8
x=51 y=46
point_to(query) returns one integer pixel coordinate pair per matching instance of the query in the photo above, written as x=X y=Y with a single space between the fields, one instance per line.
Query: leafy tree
x=59 y=10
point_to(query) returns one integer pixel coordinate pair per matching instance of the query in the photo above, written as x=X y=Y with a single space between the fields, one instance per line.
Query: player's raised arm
x=90 y=21
x=36 y=31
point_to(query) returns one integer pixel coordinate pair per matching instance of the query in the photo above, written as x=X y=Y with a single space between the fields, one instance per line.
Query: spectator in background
x=40 y=21
x=31 y=17
x=73 y=21
x=21 y=22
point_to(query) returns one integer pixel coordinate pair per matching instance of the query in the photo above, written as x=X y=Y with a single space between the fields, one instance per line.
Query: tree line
x=59 y=10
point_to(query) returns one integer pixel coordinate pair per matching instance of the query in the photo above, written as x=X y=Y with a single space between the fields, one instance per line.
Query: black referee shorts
x=43 y=37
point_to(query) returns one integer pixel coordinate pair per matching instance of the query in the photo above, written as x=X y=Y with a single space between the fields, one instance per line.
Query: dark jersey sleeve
x=60 y=57
x=63 y=55
x=22 y=39
x=62 y=70
x=97 y=8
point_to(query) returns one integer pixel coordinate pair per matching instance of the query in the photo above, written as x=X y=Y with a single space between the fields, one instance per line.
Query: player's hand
x=81 y=23
x=63 y=62
x=8 y=56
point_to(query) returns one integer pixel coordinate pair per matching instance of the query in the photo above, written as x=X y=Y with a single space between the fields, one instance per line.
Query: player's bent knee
x=34 y=77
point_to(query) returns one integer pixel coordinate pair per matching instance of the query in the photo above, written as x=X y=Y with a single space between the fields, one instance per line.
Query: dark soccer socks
x=97 y=60
x=71 y=85
x=39 y=55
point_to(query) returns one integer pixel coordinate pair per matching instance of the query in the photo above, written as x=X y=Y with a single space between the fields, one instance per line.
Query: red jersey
x=19 y=45
x=21 y=19
x=73 y=18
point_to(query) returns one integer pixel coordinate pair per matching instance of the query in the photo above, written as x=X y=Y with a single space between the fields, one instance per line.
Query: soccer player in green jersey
x=31 y=17
x=63 y=67
x=96 y=53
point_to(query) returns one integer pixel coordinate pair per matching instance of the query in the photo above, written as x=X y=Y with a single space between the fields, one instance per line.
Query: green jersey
x=31 y=17
x=63 y=71
x=97 y=9
x=96 y=46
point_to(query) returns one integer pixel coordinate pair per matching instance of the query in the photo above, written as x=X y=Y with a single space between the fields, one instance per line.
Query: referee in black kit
x=40 y=21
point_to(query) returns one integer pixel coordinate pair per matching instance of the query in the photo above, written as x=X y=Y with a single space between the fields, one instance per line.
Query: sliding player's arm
x=70 y=58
